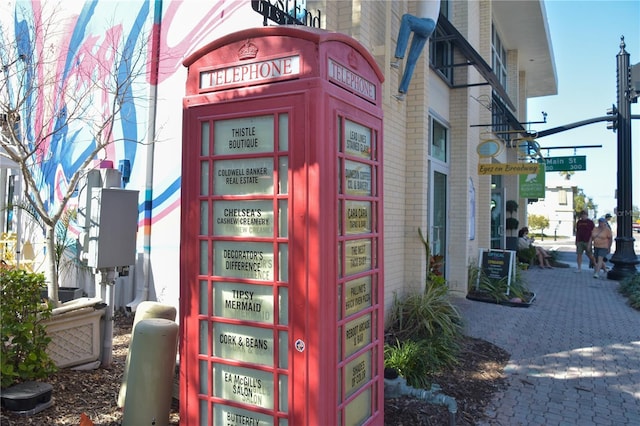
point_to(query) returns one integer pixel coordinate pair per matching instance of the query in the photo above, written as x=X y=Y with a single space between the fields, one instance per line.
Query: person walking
x=607 y=217
x=584 y=227
x=601 y=238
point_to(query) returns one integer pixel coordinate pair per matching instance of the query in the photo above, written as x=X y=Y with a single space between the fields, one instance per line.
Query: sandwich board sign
x=497 y=265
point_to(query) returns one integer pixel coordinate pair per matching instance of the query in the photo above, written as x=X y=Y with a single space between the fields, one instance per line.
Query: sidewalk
x=575 y=352
x=567 y=246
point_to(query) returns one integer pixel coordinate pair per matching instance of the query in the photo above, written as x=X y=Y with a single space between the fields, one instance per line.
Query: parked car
x=636 y=226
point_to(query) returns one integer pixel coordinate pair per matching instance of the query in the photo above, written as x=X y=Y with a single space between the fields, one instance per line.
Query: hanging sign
x=489 y=148
x=533 y=185
x=507 y=168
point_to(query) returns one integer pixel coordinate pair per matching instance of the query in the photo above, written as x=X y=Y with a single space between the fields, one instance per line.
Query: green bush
x=527 y=255
x=407 y=358
x=421 y=316
x=23 y=337
x=423 y=334
x=423 y=328
x=630 y=288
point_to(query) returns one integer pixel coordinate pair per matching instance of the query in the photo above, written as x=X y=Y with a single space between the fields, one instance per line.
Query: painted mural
x=149 y=124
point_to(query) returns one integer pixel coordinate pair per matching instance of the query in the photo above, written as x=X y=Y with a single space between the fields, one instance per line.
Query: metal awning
x=474 y=58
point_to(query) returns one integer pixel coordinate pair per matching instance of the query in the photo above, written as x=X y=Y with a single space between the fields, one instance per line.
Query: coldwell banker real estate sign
x=533 y=185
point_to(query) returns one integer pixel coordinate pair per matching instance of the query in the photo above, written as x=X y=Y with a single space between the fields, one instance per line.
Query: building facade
x=558 y=207
x=471 y=84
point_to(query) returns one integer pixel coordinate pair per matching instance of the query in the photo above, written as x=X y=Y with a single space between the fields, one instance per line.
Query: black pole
x=624 y=259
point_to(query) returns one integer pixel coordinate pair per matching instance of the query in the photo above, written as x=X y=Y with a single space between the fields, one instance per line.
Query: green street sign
x=566 y=164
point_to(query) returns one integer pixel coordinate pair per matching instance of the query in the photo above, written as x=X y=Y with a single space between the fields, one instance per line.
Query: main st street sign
x=566 y=164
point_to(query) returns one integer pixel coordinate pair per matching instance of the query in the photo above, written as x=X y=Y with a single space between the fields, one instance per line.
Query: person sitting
x=524 y=242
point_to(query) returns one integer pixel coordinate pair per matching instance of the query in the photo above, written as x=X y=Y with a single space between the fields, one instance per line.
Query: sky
x=585 y=37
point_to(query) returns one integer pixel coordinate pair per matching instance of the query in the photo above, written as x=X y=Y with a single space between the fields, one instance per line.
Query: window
x=439 y=136
x=441 y=54
x=499 y=119
x=498 y=58
x=562 y=196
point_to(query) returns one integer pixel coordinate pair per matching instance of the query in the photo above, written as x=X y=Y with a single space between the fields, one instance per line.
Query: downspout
x=143 y=294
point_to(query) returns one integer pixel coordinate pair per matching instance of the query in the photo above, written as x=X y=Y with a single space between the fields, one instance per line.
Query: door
x=497 y=218
x=439 y=222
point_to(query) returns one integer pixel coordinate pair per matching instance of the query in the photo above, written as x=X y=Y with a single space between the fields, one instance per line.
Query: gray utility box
x=113 y=228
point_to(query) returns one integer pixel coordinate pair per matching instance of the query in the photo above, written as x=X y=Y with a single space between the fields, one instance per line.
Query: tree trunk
x=51 y=274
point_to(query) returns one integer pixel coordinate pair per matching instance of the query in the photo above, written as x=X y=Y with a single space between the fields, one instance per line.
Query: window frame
x=499 y=57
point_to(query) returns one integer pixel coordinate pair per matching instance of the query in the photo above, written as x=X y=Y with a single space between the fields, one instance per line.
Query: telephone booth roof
x=314 y=35
x=287 y=38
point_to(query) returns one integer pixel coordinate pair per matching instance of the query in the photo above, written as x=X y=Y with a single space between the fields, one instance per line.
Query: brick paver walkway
x=575 y=352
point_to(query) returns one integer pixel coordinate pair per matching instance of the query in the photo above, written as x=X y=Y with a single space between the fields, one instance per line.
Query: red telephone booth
x=281 y=308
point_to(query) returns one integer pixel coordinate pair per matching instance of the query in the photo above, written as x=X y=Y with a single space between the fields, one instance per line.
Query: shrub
x=407 y=358
x=511 y=223
x=415 y=360
x=527 y=255
x=423 y=334
x=630 y=288
x=420 y=316
x=23 y=337
x=423 y=328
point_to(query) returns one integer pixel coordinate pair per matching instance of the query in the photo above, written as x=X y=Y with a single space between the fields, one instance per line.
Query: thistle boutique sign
x=286 y=12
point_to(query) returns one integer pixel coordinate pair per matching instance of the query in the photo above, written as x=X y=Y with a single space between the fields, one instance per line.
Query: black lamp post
x=624 y=259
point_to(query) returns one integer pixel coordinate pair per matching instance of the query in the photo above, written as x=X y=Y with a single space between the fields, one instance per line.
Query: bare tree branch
x=54 y=99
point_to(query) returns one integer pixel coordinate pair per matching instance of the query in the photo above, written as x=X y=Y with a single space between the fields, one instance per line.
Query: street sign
x=566 y=164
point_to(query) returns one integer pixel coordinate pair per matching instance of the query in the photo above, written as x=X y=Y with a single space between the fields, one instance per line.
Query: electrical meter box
x=113 y=227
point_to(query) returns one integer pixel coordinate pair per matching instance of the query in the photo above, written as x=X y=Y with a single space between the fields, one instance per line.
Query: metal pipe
x=148 y=193
x=107 y=281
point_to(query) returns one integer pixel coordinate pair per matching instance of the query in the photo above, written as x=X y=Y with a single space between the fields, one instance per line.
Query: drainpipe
x=107 y=282
x=396 y=386
x=151 y=136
